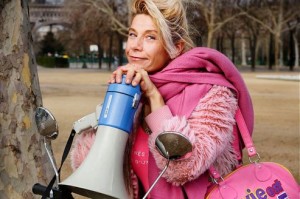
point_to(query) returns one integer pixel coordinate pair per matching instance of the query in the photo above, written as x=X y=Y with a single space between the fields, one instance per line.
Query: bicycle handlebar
x=39 y=189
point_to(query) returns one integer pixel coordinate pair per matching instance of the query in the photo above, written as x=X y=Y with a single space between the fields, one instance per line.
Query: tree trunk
x=100 y=56
x=252 y=46
x=281 y=57
x=291 y=50
x=232 y=45
x=296 y=66
x=121 y=51
x=24 y=161
x=209 y=38
x=110 y=51
x=219 y=43
x=277 y=51
x=243 y=48
x=277 y=36
x=271 y=52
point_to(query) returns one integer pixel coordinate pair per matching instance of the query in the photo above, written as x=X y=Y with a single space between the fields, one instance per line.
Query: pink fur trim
x=81 y=147
x=135 y=185
x=210 y=130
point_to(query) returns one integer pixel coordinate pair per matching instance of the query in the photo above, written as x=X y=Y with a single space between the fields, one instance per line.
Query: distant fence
x=92 y=63
x=79 y=62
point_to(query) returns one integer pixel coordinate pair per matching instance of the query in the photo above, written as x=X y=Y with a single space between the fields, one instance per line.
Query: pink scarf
x=182 y=84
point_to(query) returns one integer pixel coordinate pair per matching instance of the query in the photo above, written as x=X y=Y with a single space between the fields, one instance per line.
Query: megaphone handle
x=152 y=186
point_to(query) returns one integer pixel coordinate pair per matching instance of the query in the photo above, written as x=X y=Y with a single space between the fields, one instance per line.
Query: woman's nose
x=138 y=43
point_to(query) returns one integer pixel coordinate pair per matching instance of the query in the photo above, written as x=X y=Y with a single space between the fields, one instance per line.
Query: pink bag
x=257 y=180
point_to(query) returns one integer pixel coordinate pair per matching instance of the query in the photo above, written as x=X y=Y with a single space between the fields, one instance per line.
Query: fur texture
x=210 y=130
x=81 y=147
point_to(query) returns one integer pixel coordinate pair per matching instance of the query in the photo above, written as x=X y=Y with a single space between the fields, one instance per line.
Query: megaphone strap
x=64 y=157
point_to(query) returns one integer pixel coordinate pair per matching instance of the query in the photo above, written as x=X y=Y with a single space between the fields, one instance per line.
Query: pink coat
x=183 y=83
x=210 y=130
x=203 y=112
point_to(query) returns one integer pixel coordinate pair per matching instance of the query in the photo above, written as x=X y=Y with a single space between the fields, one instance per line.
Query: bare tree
x=274 y=16
x=296 y=37
x=87 y=27
x=113 y=13
x=109 y=9
x=211 y=9
x=23 y=158
x=93 y=22
x=197 y=25
x=253 y=29
x=294 y=27
x=233 y=30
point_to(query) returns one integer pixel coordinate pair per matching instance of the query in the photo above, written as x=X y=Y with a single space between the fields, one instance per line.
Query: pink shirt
x=139 y=157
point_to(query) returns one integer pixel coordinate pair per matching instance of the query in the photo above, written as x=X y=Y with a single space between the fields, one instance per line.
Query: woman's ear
x=180 y=47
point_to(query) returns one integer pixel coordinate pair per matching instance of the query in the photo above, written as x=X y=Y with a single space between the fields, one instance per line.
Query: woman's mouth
x=134 y=58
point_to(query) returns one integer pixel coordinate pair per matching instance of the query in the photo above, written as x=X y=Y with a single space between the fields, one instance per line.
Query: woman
x=186 y=90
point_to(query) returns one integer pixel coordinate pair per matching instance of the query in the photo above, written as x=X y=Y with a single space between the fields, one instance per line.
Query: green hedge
x=52 y=62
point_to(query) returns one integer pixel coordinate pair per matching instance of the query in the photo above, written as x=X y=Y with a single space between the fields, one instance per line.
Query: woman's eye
x=151 y=37
x=131 y=34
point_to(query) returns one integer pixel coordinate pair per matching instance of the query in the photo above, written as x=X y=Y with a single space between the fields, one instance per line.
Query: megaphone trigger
x=88 y=121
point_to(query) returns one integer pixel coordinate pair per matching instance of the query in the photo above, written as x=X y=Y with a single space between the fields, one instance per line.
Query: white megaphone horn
x=100 y=175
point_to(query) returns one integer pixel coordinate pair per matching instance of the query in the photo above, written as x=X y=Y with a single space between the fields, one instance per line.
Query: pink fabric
x=135 y=185
x=158 y=116
x=139 y=157
x=182 y=84
x=209 y=129
x=188 y=78
x=81 y=147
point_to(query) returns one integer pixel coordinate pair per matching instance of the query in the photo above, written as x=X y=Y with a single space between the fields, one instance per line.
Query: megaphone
x=100 y=175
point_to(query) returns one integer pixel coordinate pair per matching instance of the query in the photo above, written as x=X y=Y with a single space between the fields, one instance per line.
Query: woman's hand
x=137 y=75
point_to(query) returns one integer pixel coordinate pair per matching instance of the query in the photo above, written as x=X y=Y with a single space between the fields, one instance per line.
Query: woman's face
x=144 y=47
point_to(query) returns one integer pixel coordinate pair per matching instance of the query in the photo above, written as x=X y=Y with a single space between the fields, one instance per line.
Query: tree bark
x=252 y=47
x=277 y=51
x=209 y=38
x=232 y=45
x=296 y=65
x=120 y=50
x=271 y=53
x=24 y=161
x=110 y=51
x=243 y=49
x=277 y=36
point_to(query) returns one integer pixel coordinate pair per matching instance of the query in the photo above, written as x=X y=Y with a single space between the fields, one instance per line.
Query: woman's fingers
x=119 y=73
x=146 y=84
x=116 y=76
x=130 y=74
x=134 y=74
x=136 y=79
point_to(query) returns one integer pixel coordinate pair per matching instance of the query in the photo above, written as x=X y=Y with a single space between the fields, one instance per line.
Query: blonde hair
x=170 y=18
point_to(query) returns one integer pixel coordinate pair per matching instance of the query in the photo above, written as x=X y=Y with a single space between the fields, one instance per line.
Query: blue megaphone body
x=120 y=104
x=100 y=175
